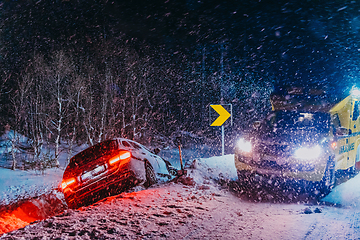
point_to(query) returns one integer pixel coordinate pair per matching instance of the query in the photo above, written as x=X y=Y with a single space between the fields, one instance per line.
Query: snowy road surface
x=201 y=209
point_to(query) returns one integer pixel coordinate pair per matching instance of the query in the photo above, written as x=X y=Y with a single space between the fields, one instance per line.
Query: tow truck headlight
x=244 y=145
x=308 y=153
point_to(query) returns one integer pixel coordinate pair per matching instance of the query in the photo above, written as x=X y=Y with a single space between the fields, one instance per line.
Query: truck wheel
x=245 y=178
x=328 y=181
x=351 y=171
x=354 y=169
x=150 y=175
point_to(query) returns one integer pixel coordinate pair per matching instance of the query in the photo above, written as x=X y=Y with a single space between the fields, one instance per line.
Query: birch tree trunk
x=25 y=83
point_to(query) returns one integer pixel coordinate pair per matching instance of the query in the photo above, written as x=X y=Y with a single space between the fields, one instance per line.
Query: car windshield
x=94 y=152
x=290 y=120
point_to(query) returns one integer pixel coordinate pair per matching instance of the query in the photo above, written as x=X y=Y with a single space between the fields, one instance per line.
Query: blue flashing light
x=355 y=92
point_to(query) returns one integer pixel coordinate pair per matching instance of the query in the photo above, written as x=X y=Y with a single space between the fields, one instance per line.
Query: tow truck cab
x=306 y=137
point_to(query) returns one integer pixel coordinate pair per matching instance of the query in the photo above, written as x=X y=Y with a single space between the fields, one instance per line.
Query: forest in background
x=65 y=98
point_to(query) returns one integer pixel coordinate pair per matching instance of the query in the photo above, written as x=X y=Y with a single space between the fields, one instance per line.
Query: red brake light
x=123 y=155
x=67 y=182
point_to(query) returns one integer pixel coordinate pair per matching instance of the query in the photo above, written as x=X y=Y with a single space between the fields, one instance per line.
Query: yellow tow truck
x=306 y=138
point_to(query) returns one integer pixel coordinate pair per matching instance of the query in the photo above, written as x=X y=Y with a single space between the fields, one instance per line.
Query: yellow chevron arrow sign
x=224 y=115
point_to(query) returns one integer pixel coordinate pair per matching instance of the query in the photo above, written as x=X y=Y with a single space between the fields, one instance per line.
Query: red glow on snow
x=21 y=215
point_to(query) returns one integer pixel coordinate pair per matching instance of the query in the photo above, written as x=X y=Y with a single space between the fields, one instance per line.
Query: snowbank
x=26 y=196
x=219 y=167
x=346 y=194
x=17 y=185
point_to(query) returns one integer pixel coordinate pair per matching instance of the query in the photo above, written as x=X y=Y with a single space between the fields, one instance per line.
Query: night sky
x=301 y=41
x=313 y=42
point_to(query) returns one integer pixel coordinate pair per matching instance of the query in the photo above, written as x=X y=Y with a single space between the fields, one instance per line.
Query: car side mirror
x=156 y=151
x=341 y=131
x=256 y=124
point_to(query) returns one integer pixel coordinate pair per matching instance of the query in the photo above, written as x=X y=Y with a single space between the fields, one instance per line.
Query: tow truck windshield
x=291 y=121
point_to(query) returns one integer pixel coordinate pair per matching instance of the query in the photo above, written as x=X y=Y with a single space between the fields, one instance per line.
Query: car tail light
x=122 y=156
x=67 y=182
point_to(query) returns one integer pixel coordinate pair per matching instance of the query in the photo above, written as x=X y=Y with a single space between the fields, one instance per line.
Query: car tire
x=172 y=171
x=328 y=181
x=150 y=175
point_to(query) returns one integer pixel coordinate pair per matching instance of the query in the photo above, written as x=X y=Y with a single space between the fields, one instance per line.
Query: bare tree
x=61 y=73
x=77 y=91
x=114 y=108
x=136 y=98
x=103 y=106
x=37 y=118
x=109 y=107
x=20 y=106
x=88 y=110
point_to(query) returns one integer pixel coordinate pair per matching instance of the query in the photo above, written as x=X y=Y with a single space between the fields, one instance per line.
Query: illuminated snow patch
x=346 y=194
x=217 y=167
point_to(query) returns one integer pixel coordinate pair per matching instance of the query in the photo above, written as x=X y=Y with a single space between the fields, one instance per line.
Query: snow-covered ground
x=346 y=194
x=16 y=185
x=197 y=207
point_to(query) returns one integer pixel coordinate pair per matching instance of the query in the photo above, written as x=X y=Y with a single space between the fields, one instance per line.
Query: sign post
x=220 y=120
x=222 y=140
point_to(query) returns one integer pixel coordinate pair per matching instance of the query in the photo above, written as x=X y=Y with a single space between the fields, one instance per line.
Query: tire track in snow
x=312 y=228
x=335 y=223
x=354 y=228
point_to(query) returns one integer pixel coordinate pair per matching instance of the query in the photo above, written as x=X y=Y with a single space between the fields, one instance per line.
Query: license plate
x=269 y=158
x=93 y=173
x=278 y=160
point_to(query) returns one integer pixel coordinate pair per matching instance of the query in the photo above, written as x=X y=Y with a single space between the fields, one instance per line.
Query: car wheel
x=172 y=171
x=150 y=175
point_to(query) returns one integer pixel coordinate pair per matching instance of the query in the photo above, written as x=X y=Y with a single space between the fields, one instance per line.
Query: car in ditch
x=307 y=140
x=110 y=167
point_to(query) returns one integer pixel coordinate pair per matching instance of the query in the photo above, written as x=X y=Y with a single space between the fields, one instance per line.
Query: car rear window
x=126 y=144
x=94 y=152
x=136 y=146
